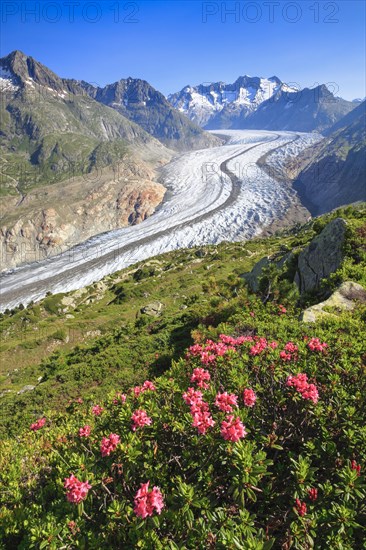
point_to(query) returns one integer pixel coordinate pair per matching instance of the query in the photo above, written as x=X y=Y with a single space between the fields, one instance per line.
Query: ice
x=202 y=206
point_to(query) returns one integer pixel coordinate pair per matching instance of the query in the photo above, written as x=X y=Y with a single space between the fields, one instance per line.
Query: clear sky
x=171 y=44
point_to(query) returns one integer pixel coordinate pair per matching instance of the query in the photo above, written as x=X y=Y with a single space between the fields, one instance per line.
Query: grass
x=104 y=323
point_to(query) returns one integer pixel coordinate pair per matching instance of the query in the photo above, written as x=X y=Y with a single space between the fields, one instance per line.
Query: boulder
x=253 y=276
x=154 y=309
x=344 y=298
x=321 y=257
x=25 y=389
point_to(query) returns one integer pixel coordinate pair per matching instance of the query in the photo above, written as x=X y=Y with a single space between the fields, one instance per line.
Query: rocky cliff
x=52 y=219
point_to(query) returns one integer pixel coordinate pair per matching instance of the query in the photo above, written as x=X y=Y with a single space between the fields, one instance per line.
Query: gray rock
x=345 y=298
x=253 y=276
x=25 y=389
x=154 y=309
x=321 y=257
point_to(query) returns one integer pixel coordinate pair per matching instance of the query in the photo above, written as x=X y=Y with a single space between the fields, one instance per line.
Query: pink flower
x=260 y=346
x=316 y=345
x=300 y=507
x=38 y=425
x=140 y=419
x=147 y=385
x=311 y=393
x=97 y=410
x=313 y=494
x=307 y=391
x=285 y=356
x=192 y=396
x=282 y=310
x=85 y=431
x=249 y=397
x=195 y=350
x=147 y=501
x=119 y=398
x=76 y=490
x=273 y=345
x=300 y=382
x=109 y=444
x=225 y=401
x=291 y=347
x=202 y=419
x=201 y=376
x=232 y=429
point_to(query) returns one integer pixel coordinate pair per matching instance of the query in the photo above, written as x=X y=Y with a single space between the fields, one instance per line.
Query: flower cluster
x=140 y=419
x=109 y=444
x=76 y=490
x=281 y=310
x=191 y=396
x=249 y=397
x=147 y=501
x=356 y=467
x=85 y=431
x=146 y=386
x=97 y=410
x=300 y=507
x=38 y=425
x=313 y=494
x=289 y=353
x=211 y=350
x=226 y=401
x=258 y=347
x=232 y=429
x=119 y=398
x=316 y=345
x=202 y=419
x=301 y=384
x=201 y=377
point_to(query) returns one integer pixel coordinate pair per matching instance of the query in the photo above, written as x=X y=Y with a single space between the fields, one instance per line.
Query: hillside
x=70 y=167
x=279 y=467
x=333 y=172
x=138 y=101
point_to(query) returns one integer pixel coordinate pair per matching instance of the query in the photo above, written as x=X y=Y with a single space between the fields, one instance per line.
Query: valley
x=213 y=195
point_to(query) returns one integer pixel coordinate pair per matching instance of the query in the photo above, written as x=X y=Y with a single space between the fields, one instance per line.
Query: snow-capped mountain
x=260 y=103
x=202 y=103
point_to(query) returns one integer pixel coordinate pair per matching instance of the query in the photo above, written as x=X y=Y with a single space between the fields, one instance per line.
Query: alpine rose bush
x=225 y=402
x=140 y=419
x=85 y=431
x=201 y=377
x=146 y=502
x=97 y=410
x=109 y=444
x=249 y=397
x=301 y=384
x=76 y=490
x=232 y=429
x=38 y=425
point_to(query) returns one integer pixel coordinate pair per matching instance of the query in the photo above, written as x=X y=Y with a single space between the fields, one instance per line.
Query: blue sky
x=171 y=44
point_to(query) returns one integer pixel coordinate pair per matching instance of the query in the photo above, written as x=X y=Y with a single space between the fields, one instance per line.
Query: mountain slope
x=70 y=167
x=52 y=128
x=333 y=172
x=259 y=103
x=246 y=438
x=141 y=103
